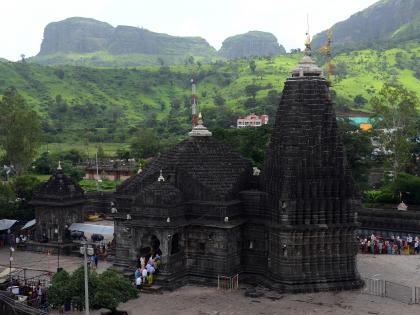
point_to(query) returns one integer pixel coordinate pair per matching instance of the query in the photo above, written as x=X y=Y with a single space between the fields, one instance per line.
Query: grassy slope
x=104 y=59
x=367 y=70
x=129 y=90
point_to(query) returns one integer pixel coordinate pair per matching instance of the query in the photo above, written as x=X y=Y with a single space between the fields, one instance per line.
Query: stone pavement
x=44 y=262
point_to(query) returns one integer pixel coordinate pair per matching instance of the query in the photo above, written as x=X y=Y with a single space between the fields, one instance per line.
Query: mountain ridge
x=386 y=22
x=89 y=42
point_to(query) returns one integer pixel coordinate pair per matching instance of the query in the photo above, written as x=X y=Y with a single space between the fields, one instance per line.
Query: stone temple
x=292 y=227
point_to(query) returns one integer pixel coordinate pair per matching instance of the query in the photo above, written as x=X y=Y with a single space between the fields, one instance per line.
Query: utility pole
x=194 y=118
x=58 y=257
x=10 y=264
x=84 y=249
x=97 y=170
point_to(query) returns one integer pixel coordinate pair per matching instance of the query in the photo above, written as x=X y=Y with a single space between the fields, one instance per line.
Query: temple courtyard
x=208 y=301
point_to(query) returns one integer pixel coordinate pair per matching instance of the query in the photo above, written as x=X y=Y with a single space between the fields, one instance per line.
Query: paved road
x=45 y=262
x=207 y=300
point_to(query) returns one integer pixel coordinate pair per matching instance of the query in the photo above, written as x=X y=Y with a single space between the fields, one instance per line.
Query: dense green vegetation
x=85 y=105
x=406 y=187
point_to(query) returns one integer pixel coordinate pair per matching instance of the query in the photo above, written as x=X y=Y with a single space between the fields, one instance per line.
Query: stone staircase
x=128 y=273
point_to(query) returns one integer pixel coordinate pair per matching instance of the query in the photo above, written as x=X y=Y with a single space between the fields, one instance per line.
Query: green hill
x=109 y=104
x=253 y=43
x=384 y=24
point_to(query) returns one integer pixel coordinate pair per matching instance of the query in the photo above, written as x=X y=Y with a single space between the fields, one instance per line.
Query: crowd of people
x=34 y=292
x=20 y=240
x=395 y=245
x=146 y=270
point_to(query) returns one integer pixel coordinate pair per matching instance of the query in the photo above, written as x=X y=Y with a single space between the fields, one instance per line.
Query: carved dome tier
x=159 y=194
x=200 y=167
x=59 y=190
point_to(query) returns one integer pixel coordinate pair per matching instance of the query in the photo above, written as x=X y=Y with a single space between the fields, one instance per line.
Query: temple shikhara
x=207 y=213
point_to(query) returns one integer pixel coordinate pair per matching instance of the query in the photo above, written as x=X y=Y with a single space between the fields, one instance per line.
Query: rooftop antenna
x=308 y=38
x=194 y=118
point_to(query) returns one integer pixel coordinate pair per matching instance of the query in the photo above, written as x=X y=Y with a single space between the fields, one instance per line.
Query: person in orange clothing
x=406 y=248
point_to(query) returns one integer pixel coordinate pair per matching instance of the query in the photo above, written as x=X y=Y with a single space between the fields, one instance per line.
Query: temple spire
x=307 y=67
x=59 y=168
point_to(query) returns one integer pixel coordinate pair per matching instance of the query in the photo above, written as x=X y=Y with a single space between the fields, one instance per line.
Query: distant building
x=110 y=169
x=252 y=121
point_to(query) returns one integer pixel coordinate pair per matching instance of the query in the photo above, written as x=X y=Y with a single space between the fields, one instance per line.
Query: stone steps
x=153 y=289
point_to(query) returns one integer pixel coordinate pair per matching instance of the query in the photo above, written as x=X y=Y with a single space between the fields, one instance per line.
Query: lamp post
x=85 y=250
x=59 y=249
x=10 y=264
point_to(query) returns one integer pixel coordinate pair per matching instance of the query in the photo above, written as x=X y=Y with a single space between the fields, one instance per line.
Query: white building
x=252 y=121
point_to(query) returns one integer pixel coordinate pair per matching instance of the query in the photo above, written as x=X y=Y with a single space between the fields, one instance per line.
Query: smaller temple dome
x=60 y=189
x=159 y=193
x=200 y=130
x=306 y=68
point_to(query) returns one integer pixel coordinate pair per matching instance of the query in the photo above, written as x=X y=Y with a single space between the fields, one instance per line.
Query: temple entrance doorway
x=150 y=245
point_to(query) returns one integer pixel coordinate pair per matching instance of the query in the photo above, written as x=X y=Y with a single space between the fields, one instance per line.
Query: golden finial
x=308 y=38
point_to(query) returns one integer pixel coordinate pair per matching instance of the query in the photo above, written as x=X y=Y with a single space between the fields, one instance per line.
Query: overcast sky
x=22 y=22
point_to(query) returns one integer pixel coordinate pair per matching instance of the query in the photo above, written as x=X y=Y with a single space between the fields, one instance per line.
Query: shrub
x=409 y=186
x=385 y=195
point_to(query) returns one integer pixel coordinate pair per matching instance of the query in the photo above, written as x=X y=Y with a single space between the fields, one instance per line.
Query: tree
x=359 y=100
x=396 y=116
x=77 y=286
x=20 y=130
x=219 y=100
x=101 y=152
x=145 y=144
x=8 y=203
x=252 y=89
x=72 y=171
x=358 y=150
x=24 y=186
x=112 y=289
x=60 y=293
x=252 y=66
x=161 y=61
x=105 y=291
x=73 y=155
x=251 y=143
x=43 y=164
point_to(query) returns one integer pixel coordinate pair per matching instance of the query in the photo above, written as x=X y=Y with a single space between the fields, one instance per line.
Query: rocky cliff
x=83 y=36
x=75 y=35
x=254 y=43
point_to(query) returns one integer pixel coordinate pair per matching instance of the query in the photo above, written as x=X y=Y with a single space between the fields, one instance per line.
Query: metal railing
x=12 y=306
x=374 y=287
x=228 y=283
x=392 y=290
x=25 y=275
